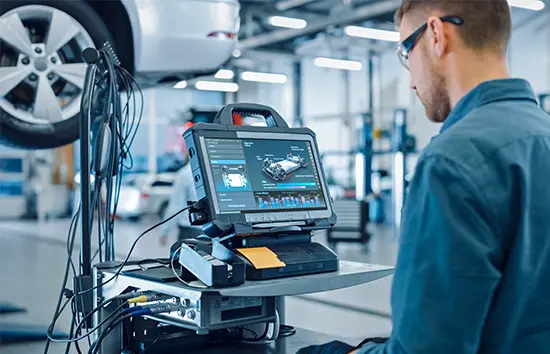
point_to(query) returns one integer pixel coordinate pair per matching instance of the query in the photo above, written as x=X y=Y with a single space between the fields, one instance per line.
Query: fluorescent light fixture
x=287 y=22
x=224 y=74
x=181 y=85
x=263 y=77
x=535 y=5
x=217 y=86
x=338 y=64
x=371 y=33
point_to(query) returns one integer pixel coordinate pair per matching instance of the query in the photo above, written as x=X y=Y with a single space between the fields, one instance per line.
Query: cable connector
x=148 y=297
x=134 y=294
x=155 y=309
x=68 y=293
x=165 y=308
x=109 y=49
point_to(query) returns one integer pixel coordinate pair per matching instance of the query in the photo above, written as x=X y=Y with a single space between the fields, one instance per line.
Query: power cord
x=286 y=331
x=119 y=270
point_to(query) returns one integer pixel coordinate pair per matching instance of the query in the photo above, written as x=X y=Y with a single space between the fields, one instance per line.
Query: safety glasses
x=407 y=45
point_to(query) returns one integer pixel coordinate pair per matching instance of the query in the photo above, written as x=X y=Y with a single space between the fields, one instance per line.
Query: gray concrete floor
x=33 y=255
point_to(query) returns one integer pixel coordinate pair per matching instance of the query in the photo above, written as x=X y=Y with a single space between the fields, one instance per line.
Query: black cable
x=65 y=278
x=100 y=324
x=73 y=323
x=112 y=325
x=262 y=337
x=99 y=226
x=251 y=331
x=286 y=331
x=151 y=345
x=161 y=261
x=77 y=332
x=114 y=313
x=131 y=250
x=68 y=347
x=73 y=224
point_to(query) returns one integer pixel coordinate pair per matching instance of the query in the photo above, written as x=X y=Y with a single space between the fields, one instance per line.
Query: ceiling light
x=371 y=33
x=338 y=64
x=287 y=22
x=224 y=74
x=181 y=85
x=263 y=77
x=217 y=86
x=535 y=5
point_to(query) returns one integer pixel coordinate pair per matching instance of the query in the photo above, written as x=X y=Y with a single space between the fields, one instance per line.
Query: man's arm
x=446 y=274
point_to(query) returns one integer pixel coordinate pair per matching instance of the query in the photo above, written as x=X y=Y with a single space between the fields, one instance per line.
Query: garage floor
x=33 y=255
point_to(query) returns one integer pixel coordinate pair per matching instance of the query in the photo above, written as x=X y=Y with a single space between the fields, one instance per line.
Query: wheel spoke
x=46 y=105
x=62 y=29
x=74 y=73
x=11 y=76
x=14 y=33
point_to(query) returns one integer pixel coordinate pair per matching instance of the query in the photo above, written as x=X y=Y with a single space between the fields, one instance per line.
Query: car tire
x=22 y=134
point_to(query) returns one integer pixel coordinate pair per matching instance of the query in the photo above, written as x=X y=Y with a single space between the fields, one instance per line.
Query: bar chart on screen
x=274 y=201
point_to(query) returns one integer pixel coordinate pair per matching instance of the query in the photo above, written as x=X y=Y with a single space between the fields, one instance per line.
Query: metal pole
x=152 y=151
x=235 y=94
x=371 y=84
x=298 y=94
x=280 y=306
x=367 y=153
x=349 y=142
x=368 y=123
x=85 y=147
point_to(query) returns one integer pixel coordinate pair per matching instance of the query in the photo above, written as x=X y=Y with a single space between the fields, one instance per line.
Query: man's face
x=426 y=70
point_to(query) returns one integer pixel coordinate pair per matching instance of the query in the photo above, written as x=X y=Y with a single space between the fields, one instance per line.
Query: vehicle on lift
x=280 y=170
x=42 y=72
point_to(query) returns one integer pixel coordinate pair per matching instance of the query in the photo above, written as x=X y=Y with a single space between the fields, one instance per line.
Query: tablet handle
x=273 y=119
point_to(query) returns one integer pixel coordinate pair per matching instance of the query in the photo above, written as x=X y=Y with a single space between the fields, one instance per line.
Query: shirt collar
x=488 y=92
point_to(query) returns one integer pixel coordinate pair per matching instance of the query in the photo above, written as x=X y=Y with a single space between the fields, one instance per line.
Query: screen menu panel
x=264 y=175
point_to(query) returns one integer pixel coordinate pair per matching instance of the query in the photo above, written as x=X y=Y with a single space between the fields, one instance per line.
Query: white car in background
x=42 y=73
x=142 y=195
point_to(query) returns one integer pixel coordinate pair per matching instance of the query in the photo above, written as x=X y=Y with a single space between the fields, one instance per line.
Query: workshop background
x=329 y=65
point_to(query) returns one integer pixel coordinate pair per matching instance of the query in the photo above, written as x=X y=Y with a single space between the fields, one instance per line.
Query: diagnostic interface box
x=268 y=184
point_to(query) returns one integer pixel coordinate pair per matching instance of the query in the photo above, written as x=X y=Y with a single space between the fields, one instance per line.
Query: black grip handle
x=273 y=119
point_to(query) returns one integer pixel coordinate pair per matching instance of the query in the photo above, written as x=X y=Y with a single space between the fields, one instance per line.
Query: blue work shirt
x=473 y=271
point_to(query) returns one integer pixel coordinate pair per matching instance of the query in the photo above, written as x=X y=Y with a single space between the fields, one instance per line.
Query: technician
x=473 y=271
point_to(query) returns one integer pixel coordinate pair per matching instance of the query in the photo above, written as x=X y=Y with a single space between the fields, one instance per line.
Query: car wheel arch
x=117 y=19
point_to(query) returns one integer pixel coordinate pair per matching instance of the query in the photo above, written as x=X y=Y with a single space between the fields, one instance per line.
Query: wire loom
x=103 y=105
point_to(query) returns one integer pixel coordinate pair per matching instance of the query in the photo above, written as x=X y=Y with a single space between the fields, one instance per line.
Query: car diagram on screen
x=281 y=170
x=234 y=177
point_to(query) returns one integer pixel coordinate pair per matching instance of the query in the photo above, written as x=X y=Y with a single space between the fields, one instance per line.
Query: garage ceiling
x=321 y=16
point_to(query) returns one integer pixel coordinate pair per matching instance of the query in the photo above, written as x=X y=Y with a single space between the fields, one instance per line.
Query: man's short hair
x=487 y=23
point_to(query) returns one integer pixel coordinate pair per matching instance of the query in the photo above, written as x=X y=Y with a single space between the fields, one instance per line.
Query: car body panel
x=171 y=36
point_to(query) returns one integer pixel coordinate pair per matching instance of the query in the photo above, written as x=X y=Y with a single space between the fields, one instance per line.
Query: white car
x=145 y=195
x=42 y=72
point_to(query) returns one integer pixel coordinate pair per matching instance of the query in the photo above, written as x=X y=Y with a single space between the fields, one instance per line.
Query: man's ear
x=437 y=38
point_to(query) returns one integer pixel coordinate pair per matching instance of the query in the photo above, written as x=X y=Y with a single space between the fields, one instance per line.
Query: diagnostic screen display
x=264 y=175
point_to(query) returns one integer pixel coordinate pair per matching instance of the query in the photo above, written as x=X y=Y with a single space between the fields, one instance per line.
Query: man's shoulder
x=486 y=132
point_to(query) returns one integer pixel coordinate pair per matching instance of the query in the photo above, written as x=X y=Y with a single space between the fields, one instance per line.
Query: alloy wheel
x=41 y=69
